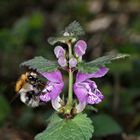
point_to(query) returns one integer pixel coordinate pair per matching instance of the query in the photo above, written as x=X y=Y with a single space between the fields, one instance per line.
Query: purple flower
x=73 y=62
x=80 y=48
x=59 y=51
x=60 y=54
x=86 y=90
x=53 y=87
x=62 y=61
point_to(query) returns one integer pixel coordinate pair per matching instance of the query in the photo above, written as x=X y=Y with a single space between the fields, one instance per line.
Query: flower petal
x=95 y=98
x=72 y=62
x=57 y=89
x=80 y=92
x=80 y=77
x=100 y=73
x=45 y=97
x=54 y=76
x=91 y=84
x=56 y=103
x=80 y=107
x=62 y=61
x=80 y=48
x=59 y=51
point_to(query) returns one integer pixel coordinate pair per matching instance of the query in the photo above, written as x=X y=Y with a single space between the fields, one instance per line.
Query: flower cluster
x=60 y=53
x=85 y=89
x=79 y=51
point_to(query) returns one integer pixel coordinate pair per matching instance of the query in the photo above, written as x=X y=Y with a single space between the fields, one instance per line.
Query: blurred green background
x=109 y=25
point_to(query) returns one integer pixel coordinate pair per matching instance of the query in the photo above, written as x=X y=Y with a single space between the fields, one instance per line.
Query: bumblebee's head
x=32 y=77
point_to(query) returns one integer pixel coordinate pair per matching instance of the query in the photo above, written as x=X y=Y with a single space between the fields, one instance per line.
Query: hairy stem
x=70 y=90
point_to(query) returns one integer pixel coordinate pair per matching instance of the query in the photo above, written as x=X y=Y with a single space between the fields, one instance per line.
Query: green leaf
x=85 y=68
x=75 y=29
x=40 y=64
x=105 y=125
x=106 y=59
x=53 y=119
x=93 y=66
x=63 y=39
x=78 y=128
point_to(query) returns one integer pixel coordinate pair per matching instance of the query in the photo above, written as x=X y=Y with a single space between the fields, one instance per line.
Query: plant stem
x=70 y=90
x=69 y=49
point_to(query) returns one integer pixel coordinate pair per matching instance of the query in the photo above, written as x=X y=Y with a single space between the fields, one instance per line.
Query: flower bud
x=80 y=48
x=59 y=51
x=66 y=34
x=72 y=62
x=62 y=61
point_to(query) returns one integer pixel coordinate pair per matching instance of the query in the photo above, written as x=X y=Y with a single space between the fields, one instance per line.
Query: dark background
x=109 y=25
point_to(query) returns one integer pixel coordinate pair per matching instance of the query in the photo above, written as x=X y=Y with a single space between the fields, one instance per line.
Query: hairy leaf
x=105 y=125
x=94 y=65
x=106 y=59
x=75 y=29
x=78 y=128
x=83 y=67
x=63 y=39
x=40 y=64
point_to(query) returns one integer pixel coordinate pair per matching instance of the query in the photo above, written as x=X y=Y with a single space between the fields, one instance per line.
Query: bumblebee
x=29 y=87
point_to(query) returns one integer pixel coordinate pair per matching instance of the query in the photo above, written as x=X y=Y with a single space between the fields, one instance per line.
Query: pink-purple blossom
x=86 y=90
x=60 y=54
x=59 y=51
x=62 y=61
x=53 y=87
x=80 y=48
x=73 y=62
